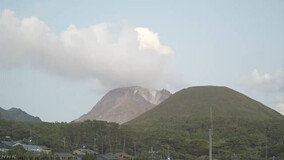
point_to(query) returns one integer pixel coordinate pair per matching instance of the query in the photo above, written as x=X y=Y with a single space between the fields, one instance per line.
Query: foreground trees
x=182 y=138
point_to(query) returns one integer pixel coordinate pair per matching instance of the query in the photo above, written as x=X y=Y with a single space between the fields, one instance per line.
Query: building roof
x=29 y=147
x=63 y=154
x=122 y=154
x=89 y=151
x=108 y=156
x=7 y=144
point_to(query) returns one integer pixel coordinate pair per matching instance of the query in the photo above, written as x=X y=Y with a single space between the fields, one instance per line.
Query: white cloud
x=280 y=103
x=266 y=81
x=150 y=40
x=273 y=84
x=132 y=56
x=280 y=107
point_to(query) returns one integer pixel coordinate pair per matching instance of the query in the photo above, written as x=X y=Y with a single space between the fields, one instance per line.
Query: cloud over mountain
x=131 y=56
x=272 y=83
x=265 y=81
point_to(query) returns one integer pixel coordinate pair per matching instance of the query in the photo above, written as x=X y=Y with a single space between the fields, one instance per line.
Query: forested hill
x=196 y=102
x=17 y=114
x=109 y=137
x=243 y=127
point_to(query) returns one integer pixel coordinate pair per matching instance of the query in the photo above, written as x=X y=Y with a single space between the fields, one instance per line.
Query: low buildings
x=64 y=155
x=82 y=152
x=6 y=145
x=122 y=155
x=108 y=156
x=34 y=148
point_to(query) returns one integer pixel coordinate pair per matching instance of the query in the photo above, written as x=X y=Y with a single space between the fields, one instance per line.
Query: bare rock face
x=124 y=104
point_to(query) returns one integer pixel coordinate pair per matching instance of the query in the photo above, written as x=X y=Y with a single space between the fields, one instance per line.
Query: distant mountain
x=123 y=104
x=17 y=114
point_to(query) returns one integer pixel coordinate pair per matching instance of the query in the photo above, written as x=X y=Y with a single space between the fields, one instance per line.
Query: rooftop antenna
x=210 y=135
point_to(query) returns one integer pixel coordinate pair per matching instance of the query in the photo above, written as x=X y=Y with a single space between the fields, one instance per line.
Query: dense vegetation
x=102 y=136
x=184 y=137
x=187 y=137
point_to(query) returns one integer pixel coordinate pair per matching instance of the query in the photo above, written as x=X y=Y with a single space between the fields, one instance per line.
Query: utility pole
x=30 y=138
x=210 y=135
x=102 y=145
x=168 y=152
x=109 y=145
x=210 y=144
x=211 y=119
x=134 y=147
x=94 y=143
x=123 y=150
x=266 y=148
x=64 y=138
x=152 y=153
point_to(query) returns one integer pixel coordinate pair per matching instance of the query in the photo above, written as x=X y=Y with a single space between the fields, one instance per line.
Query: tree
x=89 y=157
x=17 y=151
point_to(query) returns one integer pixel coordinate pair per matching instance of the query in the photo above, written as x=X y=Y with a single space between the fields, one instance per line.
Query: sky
x=58 y=58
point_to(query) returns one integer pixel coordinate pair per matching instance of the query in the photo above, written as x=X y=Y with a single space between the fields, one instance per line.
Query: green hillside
x=16 y=114
x=225 y=102
x=242 y=126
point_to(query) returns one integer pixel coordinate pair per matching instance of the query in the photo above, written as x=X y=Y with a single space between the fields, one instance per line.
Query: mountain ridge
x=123 y=104
x=16 y=114
x=195 y=101
x=243 y=127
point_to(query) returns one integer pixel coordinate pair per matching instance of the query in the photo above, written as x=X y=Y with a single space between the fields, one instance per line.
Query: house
x=82 y=152
x=64 y=155
x=34 y=148
x=122 y=155
x=7 y=144
x=108 y=156
x=3 y=150
x=7 y=137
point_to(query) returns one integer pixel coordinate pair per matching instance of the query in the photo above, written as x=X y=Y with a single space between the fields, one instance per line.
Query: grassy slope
x=196 y=101
x=241 y=125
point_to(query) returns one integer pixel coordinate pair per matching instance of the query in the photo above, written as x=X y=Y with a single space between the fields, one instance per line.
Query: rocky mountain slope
x=17 y=114
x=123 y=104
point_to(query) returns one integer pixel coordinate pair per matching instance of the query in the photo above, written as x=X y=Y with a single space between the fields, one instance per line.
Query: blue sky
x=239 y=44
